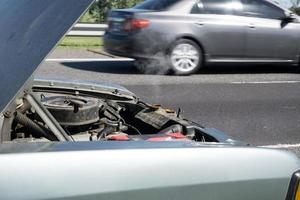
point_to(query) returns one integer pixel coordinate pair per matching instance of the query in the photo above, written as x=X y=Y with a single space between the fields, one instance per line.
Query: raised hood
x=30 y=29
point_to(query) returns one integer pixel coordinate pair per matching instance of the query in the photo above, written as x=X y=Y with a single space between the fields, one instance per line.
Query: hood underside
x=30 y=29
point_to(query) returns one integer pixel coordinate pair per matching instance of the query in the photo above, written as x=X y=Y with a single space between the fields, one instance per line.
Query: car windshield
x=156 y=5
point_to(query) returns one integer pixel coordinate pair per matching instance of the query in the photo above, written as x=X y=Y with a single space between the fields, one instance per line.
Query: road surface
x=256 y=104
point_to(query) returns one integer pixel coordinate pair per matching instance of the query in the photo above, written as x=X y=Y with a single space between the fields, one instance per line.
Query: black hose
x=33 y=127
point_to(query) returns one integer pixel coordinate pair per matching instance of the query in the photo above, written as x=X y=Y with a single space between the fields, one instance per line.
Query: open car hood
x=29 y=36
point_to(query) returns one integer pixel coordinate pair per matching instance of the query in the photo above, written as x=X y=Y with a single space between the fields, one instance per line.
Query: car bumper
x=135 y=46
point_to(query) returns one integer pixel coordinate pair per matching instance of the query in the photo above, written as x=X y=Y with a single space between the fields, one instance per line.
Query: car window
x=156 y=4
x=221 y=7
x=262 y=9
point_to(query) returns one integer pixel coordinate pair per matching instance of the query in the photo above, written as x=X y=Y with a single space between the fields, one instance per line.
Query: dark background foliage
x=100 y=8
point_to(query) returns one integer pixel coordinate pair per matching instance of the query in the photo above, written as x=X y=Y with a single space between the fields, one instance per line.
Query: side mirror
x=289 y=17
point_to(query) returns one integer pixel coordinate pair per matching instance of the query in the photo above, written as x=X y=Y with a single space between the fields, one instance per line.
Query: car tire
x=185 y=57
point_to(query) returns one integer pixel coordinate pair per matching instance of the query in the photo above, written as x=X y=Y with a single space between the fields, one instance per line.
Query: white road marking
x=87 y=59
x=282 y=146
x=86 y=33
x=87 y=25
x=264 y=82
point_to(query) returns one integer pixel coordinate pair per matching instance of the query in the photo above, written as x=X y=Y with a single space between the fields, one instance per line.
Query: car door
x=269 y=37
x=222 y=33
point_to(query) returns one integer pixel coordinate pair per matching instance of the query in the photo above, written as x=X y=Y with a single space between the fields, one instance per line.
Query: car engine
x=92 y=118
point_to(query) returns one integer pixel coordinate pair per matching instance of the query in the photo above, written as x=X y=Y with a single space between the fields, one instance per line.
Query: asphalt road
x=255 y=104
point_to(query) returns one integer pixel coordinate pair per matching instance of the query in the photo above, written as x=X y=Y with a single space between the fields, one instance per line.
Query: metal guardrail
x=82 y=29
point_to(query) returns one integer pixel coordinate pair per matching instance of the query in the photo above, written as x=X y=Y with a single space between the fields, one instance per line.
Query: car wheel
x=185 y=57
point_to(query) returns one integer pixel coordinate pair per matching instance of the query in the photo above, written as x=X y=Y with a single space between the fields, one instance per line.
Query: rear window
x=156 y=4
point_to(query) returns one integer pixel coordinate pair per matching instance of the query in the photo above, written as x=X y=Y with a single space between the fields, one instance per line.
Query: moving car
x=182 y=35
x=64 y=139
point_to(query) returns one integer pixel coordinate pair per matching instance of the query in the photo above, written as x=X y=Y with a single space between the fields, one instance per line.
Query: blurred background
x=99 y=10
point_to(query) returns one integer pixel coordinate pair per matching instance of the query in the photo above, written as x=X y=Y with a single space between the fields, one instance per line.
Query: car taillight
x=140 y=23
x=136 y=24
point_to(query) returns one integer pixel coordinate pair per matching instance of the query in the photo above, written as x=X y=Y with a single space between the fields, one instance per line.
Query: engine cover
x=73 y=111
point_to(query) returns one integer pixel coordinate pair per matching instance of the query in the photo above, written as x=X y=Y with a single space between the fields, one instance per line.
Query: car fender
x=208 y=172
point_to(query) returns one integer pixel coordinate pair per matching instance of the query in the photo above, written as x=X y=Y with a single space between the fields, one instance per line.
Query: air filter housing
x=73 y=111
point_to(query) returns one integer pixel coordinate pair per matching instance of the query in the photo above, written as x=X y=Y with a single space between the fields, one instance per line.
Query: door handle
x=251 y=26
x=200 y=23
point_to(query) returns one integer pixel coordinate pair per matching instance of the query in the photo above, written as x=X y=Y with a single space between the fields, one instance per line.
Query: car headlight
x=294 y=187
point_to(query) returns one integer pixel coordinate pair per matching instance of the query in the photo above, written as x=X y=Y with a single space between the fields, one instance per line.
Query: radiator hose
x=33 y=127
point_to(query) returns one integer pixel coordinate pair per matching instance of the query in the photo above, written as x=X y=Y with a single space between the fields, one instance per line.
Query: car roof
x=29 y=31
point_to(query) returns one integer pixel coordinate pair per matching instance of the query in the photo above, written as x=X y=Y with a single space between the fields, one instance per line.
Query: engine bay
x=93 y=118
